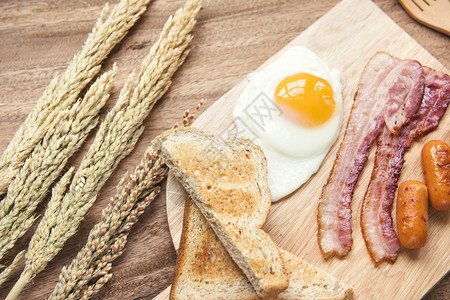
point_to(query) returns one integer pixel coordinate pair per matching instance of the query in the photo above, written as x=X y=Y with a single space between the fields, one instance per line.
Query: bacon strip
x=373 y=104
x=376 y=220
x=404 y=95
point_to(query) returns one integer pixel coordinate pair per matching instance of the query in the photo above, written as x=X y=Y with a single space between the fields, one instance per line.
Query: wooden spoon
x=432 y=13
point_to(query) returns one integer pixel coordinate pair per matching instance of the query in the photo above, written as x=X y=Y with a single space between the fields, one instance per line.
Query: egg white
x=294 y=153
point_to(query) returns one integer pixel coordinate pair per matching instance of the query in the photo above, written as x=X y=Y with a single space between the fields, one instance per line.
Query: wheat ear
x=63 y=90
x=115 y=139
x=8 y=269
x=90 y=269
x=47 y=161
x=48 y=158
x=107 y=239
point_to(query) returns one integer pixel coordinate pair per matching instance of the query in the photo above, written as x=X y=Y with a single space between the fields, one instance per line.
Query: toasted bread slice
x=205 y=270
x=228 y=183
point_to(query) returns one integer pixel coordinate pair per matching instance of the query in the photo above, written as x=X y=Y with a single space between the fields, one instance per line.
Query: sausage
x=436 y=169
x=412 y=214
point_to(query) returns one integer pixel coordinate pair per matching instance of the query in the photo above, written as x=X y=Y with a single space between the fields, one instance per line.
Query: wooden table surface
x=232 y=38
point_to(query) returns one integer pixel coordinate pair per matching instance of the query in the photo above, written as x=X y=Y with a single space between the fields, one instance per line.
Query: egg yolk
x=305 y=99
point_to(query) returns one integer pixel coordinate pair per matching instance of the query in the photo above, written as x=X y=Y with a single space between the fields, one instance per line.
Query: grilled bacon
x=390 y=92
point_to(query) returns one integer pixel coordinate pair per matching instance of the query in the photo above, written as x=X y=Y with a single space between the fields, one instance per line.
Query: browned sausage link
x=436 y=169
x=412 y=214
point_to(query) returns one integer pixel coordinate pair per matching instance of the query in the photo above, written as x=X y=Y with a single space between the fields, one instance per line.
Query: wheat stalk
x=115 y=139
x=90 y=269
x=107 y=239
x=47 y=161
x=63 y=90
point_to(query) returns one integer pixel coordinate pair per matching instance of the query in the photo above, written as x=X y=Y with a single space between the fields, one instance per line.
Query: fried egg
x=293 y=110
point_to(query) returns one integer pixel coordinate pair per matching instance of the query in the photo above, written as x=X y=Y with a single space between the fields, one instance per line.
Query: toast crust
x=181 y=263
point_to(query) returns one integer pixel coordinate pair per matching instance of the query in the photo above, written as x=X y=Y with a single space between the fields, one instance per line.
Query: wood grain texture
x=232 y=38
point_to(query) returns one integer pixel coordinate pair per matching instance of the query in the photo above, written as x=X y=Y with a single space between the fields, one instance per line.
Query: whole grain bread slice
x=205 y=270
x=228 y=183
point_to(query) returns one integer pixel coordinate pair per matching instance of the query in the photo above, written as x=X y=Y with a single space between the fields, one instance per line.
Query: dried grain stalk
x=47 y=161
x=115 y=139
x=63 y=90
x=91 y=268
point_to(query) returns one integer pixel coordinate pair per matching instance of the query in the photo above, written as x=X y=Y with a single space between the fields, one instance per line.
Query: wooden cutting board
x=345 y=38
